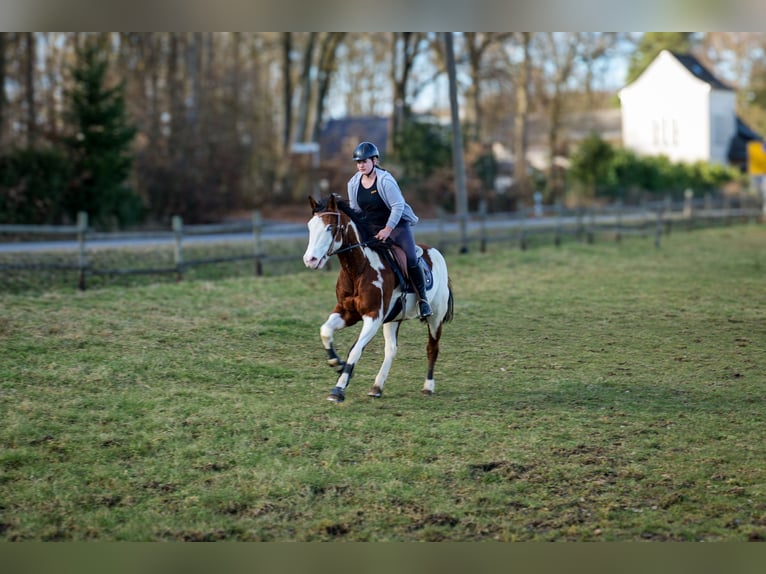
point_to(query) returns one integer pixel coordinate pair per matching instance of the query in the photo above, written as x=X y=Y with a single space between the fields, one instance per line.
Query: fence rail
x=653 y=219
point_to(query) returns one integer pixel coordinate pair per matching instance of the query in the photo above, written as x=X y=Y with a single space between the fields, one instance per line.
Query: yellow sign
x=756 y=158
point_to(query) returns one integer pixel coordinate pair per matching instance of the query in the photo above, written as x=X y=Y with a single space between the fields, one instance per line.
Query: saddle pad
x=399 y=260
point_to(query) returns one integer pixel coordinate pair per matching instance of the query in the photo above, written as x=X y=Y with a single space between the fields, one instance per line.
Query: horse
x=371 y=289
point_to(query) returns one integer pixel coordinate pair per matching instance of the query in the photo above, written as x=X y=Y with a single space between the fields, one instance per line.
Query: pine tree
x=100 y=144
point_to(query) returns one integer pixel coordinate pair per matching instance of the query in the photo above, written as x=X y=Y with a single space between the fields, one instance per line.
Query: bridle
x=339 y=228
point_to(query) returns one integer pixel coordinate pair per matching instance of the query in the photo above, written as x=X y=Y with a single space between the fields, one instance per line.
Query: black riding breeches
x=403 y=237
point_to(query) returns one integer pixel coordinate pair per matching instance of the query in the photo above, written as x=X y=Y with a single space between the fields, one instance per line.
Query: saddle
x=398 y=261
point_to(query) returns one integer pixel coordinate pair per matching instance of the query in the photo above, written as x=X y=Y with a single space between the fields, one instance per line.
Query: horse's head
x=324 y=232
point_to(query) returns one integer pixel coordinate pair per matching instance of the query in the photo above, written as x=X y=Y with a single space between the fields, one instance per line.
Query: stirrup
x=425 y=309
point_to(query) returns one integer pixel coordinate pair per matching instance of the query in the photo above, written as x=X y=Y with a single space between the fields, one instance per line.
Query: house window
x=666 y=132
x=675 y=137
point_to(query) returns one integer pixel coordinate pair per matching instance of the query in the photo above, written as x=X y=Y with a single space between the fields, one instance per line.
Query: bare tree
x=461 y=195
x=405 y=48
x=326 y=69
x=287 y=89
x=521 y=119
x=29 y=92
x=306 y=91
x=3 y=47
x=560 y=57
x=476 y=45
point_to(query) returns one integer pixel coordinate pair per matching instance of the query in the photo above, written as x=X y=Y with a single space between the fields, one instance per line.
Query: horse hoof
x=336 y=395
x=427 y=393
x=376 y=392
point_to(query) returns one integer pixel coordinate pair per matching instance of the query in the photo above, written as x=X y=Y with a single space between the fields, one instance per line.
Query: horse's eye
x=329 y=227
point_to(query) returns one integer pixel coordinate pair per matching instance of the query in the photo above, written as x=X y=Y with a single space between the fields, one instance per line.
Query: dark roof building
x=340 y=136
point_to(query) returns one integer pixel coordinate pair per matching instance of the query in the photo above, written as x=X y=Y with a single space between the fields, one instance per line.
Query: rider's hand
x=384 y=233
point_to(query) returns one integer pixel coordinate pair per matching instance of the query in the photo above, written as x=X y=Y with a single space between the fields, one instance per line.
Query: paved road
x=277 y=230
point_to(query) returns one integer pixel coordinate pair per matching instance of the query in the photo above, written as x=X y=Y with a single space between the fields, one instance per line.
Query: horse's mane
x=356 y=217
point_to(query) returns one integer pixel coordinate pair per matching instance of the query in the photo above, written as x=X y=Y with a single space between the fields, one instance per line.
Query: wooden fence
x=655 y=219
x=651 y=219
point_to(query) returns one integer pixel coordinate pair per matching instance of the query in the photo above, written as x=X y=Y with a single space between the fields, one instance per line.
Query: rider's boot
x=419 y=283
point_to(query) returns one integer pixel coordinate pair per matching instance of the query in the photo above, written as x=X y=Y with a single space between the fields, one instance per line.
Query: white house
x=678 y=108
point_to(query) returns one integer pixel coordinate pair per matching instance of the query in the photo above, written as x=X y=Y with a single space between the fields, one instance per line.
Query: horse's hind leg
x=326 y=332
x=390 y=333
x=432 y=351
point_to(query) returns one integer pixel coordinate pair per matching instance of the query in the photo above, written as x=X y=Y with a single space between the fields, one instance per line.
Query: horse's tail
x=450 y=303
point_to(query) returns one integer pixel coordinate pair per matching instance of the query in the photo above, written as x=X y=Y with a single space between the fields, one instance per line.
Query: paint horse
x=371 y=290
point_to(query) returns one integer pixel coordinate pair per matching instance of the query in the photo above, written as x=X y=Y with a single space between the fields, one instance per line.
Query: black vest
x=375 y=211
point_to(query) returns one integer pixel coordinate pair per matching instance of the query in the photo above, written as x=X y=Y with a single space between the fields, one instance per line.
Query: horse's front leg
x=327 y=332
x=370 y=326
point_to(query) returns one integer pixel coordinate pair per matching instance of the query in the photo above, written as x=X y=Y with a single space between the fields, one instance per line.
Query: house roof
x=340 y=136
x=738 y=145
x=696 y=68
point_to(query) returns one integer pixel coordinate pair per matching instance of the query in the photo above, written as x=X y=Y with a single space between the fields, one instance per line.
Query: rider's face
x=364 y=165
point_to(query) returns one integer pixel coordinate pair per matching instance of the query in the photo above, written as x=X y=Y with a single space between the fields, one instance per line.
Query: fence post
x=762 y=196
x=658 y=228
x=618 y=224
x=559 y=223
x=257 y=244
x=82 y=260
x=669 y=214
x=483 y=225
x=688 y=207
x=591 y=225
x=522 y=228
x=178 y=231
x=441 y=215
x=646 y=217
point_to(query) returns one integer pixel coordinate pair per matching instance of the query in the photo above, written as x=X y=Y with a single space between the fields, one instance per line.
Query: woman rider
x=374 y=192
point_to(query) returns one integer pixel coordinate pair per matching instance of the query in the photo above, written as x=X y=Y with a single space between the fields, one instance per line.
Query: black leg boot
x=419 y=283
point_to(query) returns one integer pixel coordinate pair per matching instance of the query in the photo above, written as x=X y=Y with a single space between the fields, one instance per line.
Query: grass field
x=590 y=392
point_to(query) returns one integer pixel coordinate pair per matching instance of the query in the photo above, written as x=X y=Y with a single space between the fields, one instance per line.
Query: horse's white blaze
x=320 y=241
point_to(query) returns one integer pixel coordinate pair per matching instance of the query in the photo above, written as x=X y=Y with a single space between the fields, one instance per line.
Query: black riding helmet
x=365 y=150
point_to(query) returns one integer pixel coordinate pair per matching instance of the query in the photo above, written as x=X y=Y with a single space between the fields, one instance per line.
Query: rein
x=350 y=247
x=340 y=227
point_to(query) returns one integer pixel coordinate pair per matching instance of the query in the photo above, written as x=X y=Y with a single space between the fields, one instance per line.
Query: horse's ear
x=332 y=204
x=313 y=203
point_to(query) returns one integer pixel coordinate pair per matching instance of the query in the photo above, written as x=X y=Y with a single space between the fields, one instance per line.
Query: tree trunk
x=474 y=89
x=287 y=90
x=2 y=89
x=175 y=94
x=405 y=49
x=29 y=93
x=306 y=88
x=327 y=65
x=520 y=176
x=461 y=199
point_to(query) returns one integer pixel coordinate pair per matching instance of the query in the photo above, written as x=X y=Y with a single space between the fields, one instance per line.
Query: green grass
x=590 y=392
